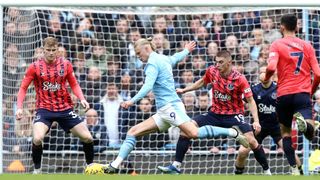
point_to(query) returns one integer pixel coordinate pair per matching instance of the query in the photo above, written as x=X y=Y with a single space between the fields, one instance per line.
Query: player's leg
x=146 y=127
x=240 y=163
x=189 y=129
x=285 y=114
x=298 y=161
x=70 y=121
x=81 y=130
x=303 y=114
x=243 y=153
x=40 y=127
x=237 y=121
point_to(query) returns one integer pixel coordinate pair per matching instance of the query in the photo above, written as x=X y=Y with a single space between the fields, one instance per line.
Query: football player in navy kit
x=265 y=94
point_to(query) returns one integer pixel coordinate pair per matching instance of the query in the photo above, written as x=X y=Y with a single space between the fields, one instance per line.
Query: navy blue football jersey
x=266 y=104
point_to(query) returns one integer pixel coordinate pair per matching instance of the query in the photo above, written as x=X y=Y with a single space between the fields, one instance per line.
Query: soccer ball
x=94 y=168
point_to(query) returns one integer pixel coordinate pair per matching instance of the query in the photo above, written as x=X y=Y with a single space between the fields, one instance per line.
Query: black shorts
x=287 y=105
x=225 y=121
x=66 y=119
x=274 y=133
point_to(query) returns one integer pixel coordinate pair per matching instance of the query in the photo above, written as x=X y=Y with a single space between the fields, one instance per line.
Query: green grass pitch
x=150 y=177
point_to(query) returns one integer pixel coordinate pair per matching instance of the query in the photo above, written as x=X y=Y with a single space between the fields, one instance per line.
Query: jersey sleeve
x=272 y=61
x=73 y=82
x=245 y=87
x=177 y=57
x=207 y=78
x=28 y=78
x=315 y=68
x=151 y=76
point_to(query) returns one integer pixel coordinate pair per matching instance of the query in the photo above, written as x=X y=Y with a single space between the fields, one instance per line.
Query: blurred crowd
x=100 y=47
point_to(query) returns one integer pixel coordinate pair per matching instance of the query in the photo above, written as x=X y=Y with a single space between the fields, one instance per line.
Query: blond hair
x=144 y=41
x=50 y=41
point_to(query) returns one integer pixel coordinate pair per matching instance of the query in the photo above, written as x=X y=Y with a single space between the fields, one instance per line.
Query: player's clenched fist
x=126 y=104
x=19 y=114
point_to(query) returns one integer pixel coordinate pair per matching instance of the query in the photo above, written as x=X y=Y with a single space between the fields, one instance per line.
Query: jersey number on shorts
x=173 y=115
x=74 y=115
x=300 y=58
x=239 y=118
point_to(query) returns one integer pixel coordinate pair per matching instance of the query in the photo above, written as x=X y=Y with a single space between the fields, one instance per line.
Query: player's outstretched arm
x=195 y=86
x=177 y=57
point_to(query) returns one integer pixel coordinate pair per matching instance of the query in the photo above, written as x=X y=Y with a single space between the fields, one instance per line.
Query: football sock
x=213 y=131
x=309 y=134
x=88 y=152
x=182 y=148
x=37 y=155
x=261 y=157
x=124 y=151
x=289 y=151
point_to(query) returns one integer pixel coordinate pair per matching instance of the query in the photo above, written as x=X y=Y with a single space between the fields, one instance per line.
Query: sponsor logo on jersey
x=222 y=97
x=266 y=109
x=48 y=86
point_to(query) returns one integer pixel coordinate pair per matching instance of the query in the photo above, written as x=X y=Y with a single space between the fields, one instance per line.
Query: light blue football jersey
x=159 y=78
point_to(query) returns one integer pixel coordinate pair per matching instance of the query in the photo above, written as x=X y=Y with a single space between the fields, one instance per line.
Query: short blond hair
x=144 y=41
x=50 y=41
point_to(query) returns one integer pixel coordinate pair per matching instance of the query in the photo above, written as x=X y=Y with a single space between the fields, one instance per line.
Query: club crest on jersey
x=230 y=86
x=61 y=72
x=274 y=95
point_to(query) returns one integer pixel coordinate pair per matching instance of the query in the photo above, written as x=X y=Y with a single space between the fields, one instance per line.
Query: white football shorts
x=172 y=114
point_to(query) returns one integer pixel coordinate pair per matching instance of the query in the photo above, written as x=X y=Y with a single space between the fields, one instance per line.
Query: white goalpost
x=98 y=41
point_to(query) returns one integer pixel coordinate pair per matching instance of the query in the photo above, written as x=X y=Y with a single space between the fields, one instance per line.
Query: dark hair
x=289 y=21
x=224 y=53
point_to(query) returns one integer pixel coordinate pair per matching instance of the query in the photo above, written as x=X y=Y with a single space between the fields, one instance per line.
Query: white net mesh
x=99 y=43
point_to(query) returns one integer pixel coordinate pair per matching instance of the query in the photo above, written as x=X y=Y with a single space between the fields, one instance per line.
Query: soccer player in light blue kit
x=170 y=109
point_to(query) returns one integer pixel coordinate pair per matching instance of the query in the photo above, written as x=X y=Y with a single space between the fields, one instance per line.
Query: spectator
x=202 y=37
x=79 y=67
x=108 y=108
x=198 y=66
x=161 y=43
x=97 y=130
x=93 y=86
x=133 y=61
x=99 y=56
x=218 y=29
x=127 y=87
x=231 y=45
x=211 y=53
x=270 y=34
x=38 y=53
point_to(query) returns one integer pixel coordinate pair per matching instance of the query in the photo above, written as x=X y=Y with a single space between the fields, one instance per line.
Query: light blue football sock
x=127 y=146
x=212 y=131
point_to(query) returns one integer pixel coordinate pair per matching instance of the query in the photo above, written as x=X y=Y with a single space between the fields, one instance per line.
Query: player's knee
x=253 y=142
x=87 y=138
x=132 y=131
x=37 y=140
x=243 y=152
x=193 y=134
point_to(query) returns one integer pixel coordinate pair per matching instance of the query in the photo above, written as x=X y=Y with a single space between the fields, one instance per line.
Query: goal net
x=99 y=43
